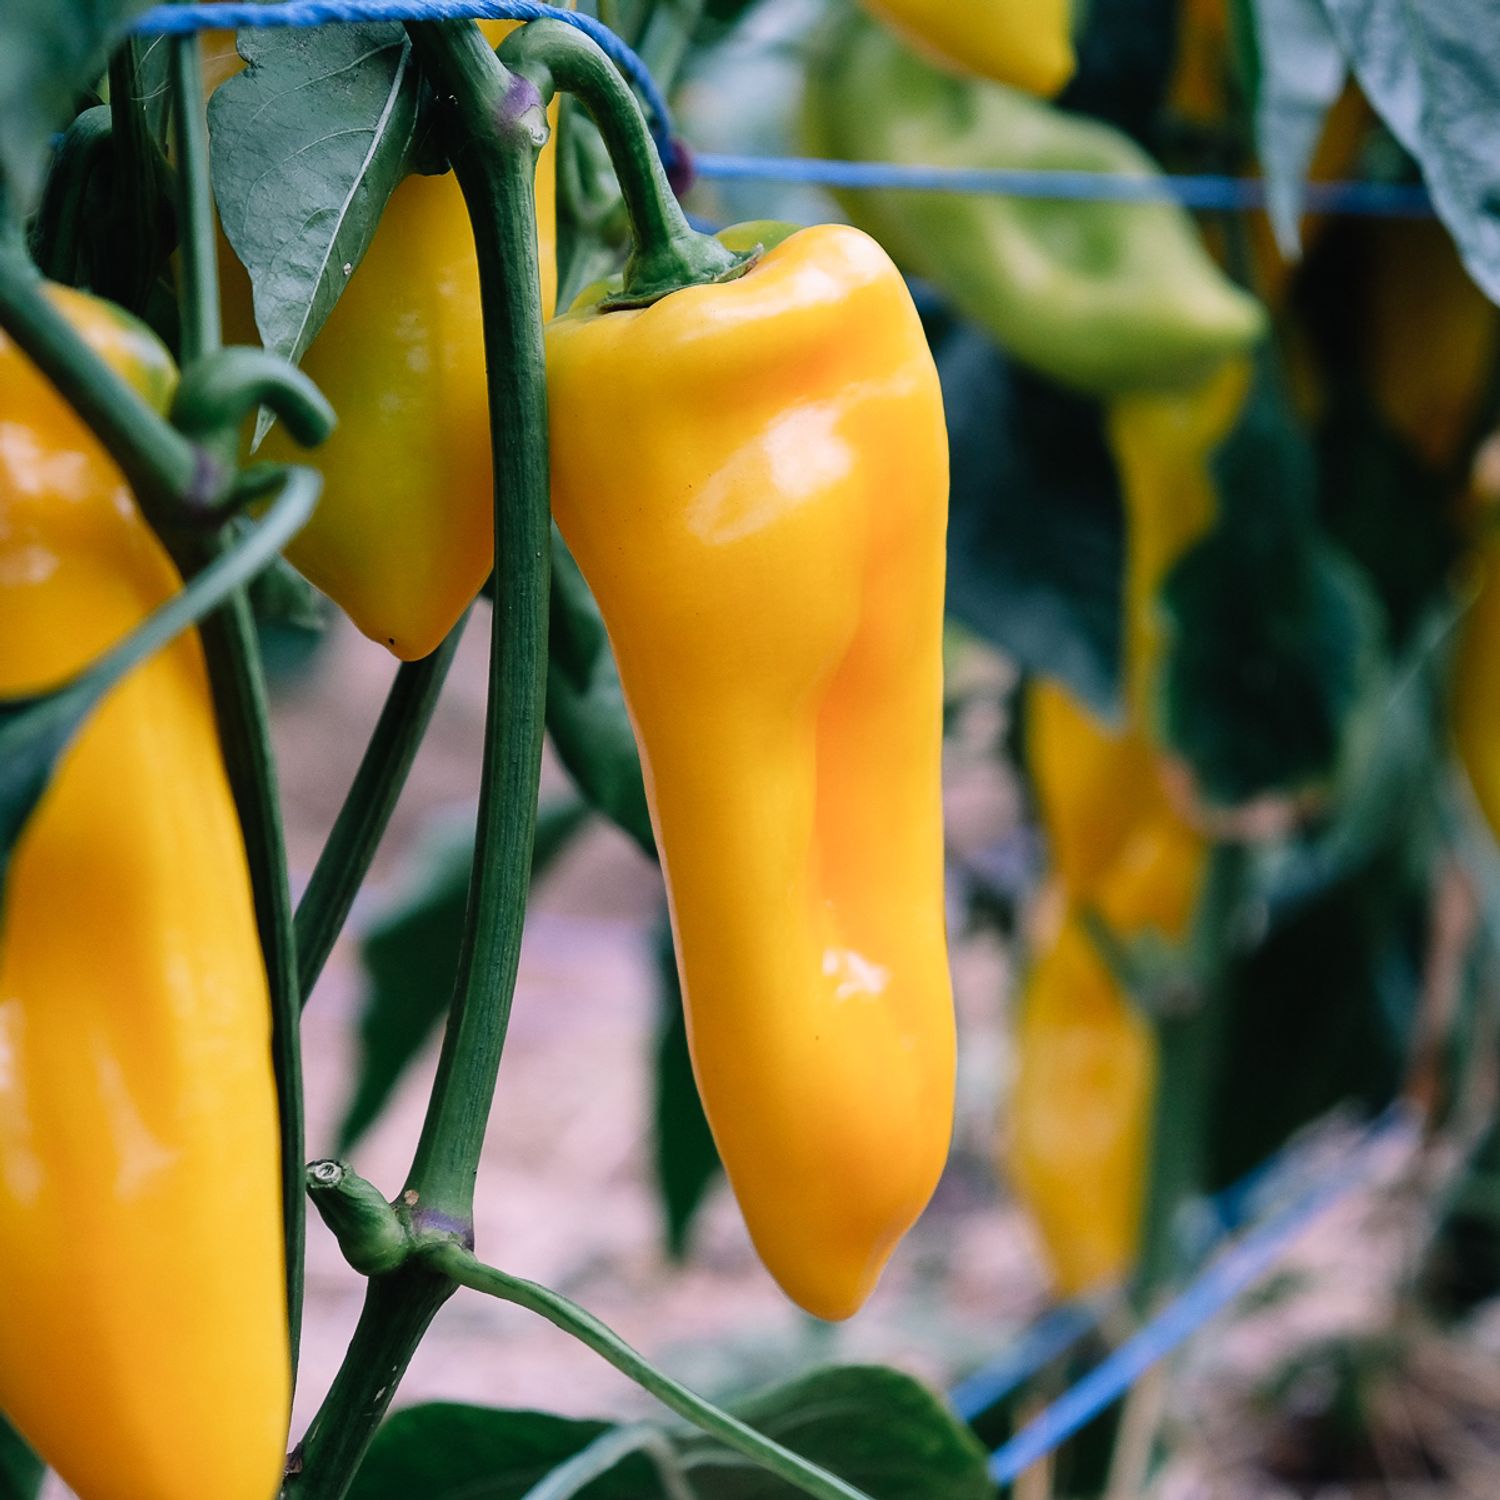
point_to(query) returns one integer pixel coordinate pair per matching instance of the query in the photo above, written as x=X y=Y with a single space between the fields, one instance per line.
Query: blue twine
x=1229 y=194
x=1050 y=1336
x=1218 y=1286
x=183 y=20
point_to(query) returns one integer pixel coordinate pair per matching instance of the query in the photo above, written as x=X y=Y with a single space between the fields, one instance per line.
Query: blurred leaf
x=1036 y=546
x=1302 y=74
x=445 y=1451
x=1126 y=53
x=21 y=1471
x=1317 y=1015
x=1273 y=634
x=49 y=54
x=877 y=1428
x=410 y=956
x=687 y=1161
x=1431 y=68
x=586 y=714
x=309 y=142
x=1462 y=1262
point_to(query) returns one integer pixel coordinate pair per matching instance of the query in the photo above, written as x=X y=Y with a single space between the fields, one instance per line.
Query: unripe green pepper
x=1104 y=297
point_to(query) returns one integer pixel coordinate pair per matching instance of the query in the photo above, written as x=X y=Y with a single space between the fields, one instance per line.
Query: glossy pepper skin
x=753 y=478
x=1104 y=297
x=403 y=537
x=144 y=1353
x=1026 y=44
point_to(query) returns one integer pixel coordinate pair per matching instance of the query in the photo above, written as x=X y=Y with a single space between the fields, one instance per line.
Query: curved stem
x=57 y=228
x=164 y=469
x=498 y=126
x=501 y=125
x=467 y=1271
x=667 y=253
x=366 y=813
x=202 y=331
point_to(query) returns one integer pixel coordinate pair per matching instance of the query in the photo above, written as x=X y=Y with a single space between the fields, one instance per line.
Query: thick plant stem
x=667 y=252
x=231 y=649
x=497 y=127
x=496 y=176
x=362 y=820
x=398 y=1309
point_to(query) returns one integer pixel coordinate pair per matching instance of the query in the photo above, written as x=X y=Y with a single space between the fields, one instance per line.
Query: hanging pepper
x=403 y=537
x=1026 y=44
x=1104 y=297
x=145 y=1348
x=753 y=478
x=1078 y=1135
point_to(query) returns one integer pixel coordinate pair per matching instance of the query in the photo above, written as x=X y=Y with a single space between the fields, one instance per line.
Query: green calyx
x=1104 y=297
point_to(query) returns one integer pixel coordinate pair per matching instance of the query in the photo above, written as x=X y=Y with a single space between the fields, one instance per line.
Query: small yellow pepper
x=145 y=1345
x=1026 y=44
x=403 y=538
x=753 y=478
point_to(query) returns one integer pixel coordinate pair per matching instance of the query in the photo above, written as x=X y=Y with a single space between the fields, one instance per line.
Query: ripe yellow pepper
x=1080 y=1112
x=144 y=1353
x=753 y=478
x=1026 y=44
x=1079 y=1128
x=403 y=537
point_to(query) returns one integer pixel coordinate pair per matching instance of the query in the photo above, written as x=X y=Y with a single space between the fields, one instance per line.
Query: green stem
x=461 y=1265
x=497 y=127
x=1190 y=1043
x=167 y=472
x=367 y=809
x=202 y=331
x=134 y=230
x=500 y=127
x=58 y=227
x=667 y=253
x=398 y=1310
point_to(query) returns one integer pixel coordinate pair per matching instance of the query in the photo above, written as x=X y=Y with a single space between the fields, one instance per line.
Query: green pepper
x=1105 y=297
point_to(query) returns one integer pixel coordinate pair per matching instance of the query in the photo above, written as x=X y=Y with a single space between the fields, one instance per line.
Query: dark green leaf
x=586 y=714
x=449 y=1452
x=1036 y=532
x=1302 y=74
x=877 y=1428
x=1432 y=70
x=1273 y=634
x=687 y=1161
x=21 y=1470
x=50 y=52
x=410 y=956
x=309 y=142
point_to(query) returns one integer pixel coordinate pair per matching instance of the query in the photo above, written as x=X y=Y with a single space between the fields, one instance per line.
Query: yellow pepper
x=144 y=1353
x=1026 y=44
x=1079 y=1130
x=1080 y=1112
x=753 y=478
x=403 y=537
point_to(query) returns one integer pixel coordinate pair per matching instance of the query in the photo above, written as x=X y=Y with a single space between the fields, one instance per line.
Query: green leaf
x=1302 y=74
x=1126 y=53
x=446 y=1451
x=586 y=714
x=874 y=1427
x=49 y=54
x=1036 y=548
x=687 y=1161
x=410 y=955
x=21 y=1470
x=1431 y=68
x=309 y=142
x=1273 y=634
